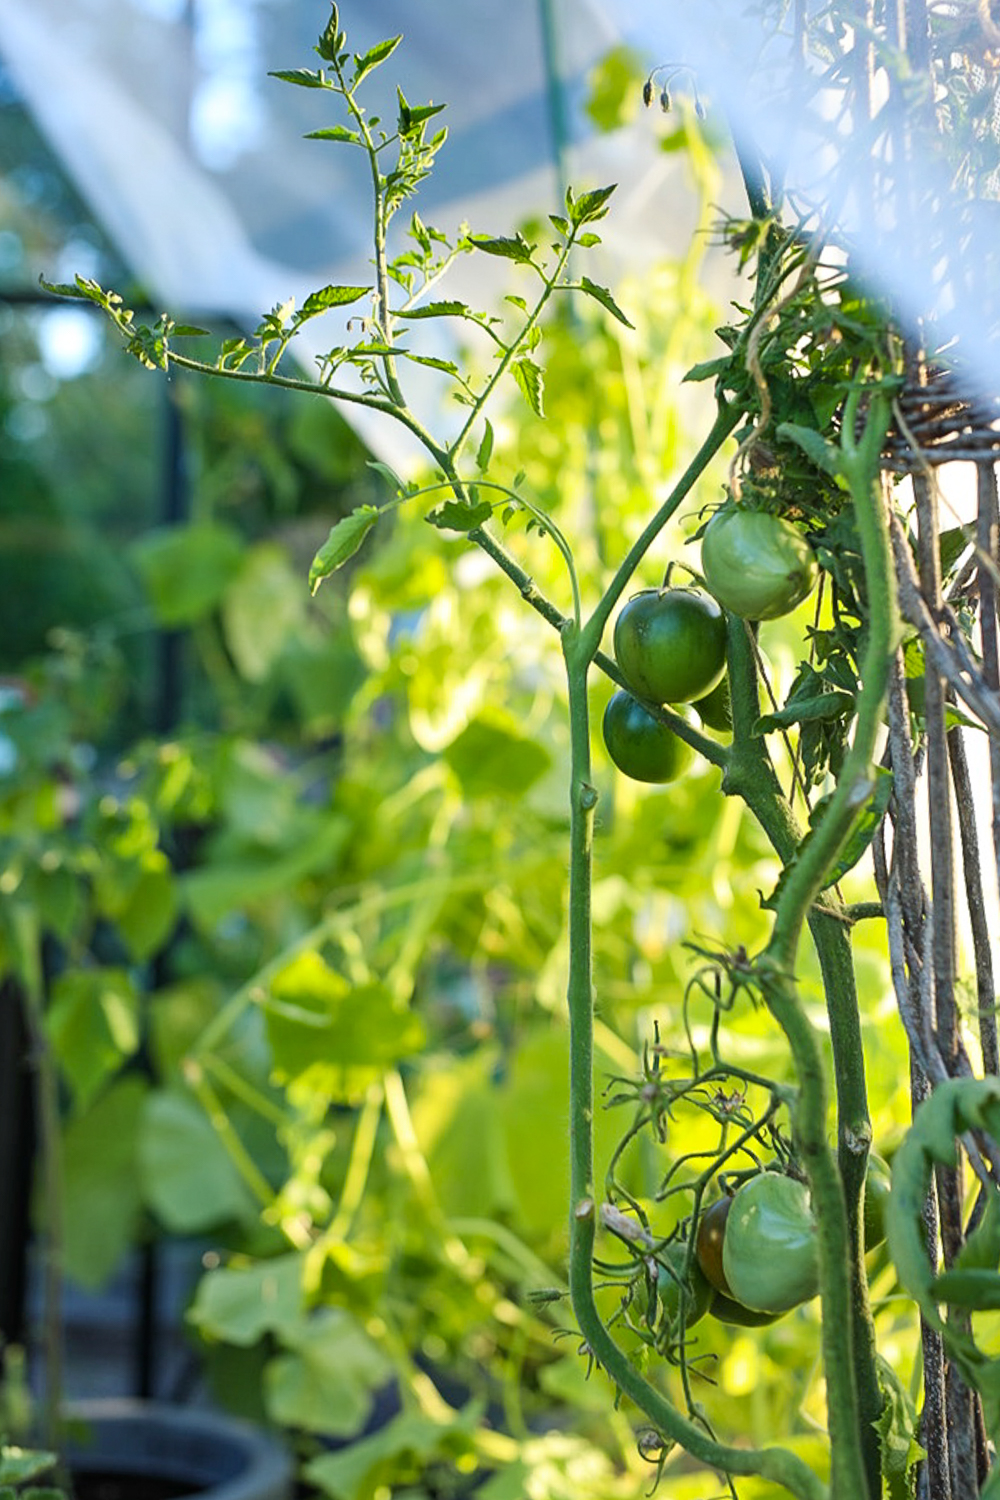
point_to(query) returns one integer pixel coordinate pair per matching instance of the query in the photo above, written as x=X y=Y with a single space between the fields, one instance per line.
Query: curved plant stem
x=777 y=1464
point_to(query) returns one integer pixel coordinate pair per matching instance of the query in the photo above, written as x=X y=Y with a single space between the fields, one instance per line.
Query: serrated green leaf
x=334 y=133
x=897 y=1427
x=371 y=59
x=807 y=710
x=951 y=544
x=586 y=240
x=516 y=249
x=188 y=331
x=434 y=363
x=453 y=515
x=437 y=310
x=560 y=223
x=589 y=206
x=813 y=444
x=306 y=78
x=344 y=540
x=391 y=478
x=709 y=368
x=531 y=382
x=604 y=297
x=331 y=296
x=485 y=452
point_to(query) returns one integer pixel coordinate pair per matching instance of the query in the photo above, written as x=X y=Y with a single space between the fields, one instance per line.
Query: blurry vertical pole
x=555 y=97
x=166 y=712
x=166 y=707
x=16 y=1154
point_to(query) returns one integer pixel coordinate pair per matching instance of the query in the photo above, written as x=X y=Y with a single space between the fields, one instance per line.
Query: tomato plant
x=671 y=644
x=819 y=386
x=769 y=1253
x=757 y=565
x=641 y=746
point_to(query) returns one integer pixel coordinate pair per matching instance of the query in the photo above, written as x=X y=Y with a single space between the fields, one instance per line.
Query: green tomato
x=728 y=1310
x=709 y=1241
x=640 y=745
x=757 y=565
x=769 y=1249
x=669 y=1275
x=671 y=644
x=716 y=709
x=877 y=1184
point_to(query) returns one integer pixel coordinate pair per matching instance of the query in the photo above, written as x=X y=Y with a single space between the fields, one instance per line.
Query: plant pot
x=144 y=1450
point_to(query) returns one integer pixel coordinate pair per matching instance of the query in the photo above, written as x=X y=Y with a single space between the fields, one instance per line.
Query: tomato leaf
x=897 y=1429
x=516 y=249
x=371 y=59
x=531 y=382
x=334 y=133
x=601 y=295
x=819 y=706
x=306 y=78
x=589 y=206
x=437 y=310
x=823 y=454
x=453 y=515
x=709 y=368
x=344 y=540
x=329 y=296
x=485 y=448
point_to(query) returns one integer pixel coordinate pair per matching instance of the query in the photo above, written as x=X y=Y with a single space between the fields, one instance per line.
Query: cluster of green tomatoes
x=755 y=1254
x=670 y=643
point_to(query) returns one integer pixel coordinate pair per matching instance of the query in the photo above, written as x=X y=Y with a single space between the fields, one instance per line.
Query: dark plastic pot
x=141 y=1450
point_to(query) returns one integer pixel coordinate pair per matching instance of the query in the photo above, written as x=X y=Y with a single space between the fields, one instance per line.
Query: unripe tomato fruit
x=716 y=708
x=877 y=1184
x=757 y=565
x=728 y=1310
x=769 y=1252
x=668 y=1282
x=671 y=644
x=708 y=1243
x=640 y=745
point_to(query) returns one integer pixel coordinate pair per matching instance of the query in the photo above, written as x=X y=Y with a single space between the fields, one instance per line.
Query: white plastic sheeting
x=194 y=160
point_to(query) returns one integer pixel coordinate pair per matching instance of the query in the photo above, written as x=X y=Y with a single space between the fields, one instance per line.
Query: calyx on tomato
x=757 y=565
x=671 y=644
x=769 y=1251
x=640 y=745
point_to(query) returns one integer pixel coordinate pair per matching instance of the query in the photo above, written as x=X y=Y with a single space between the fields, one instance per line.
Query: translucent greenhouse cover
x=193 y=158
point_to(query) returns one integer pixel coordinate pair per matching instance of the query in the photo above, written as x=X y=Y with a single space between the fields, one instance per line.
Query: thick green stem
x=725 y=421
x=803 y=883
x=777 y=1464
